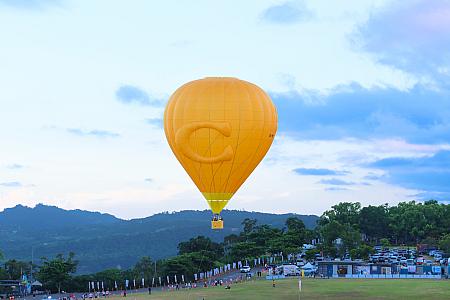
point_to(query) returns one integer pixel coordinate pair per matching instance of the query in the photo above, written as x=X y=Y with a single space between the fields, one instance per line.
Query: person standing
x=149 y=290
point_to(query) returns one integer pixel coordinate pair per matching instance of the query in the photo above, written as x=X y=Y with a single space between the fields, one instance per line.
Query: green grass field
x=316 y=289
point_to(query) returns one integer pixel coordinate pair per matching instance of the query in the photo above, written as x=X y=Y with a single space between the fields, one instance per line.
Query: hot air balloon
x=219 y=129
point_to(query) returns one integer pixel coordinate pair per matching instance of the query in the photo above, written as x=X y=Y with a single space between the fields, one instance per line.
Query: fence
x=388 y=276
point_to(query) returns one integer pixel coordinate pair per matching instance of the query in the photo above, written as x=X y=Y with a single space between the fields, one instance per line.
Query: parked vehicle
x=319 y=258
x=308 y=246
x=245 y=269
x=300 y=263
x=437 y=257
x=288 y=270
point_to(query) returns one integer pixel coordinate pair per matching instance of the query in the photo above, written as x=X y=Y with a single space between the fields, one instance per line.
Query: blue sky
x=362 y=90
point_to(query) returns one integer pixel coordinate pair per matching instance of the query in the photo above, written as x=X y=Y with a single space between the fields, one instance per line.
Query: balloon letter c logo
x=182 y=141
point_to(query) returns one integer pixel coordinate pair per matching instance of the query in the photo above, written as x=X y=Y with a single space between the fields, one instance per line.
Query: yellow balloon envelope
x=219 y=128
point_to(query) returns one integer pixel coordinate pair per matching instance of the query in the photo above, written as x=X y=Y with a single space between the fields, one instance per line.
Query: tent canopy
x=308 y=266
x=36 y=283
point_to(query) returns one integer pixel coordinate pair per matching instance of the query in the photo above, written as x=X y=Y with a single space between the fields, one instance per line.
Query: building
x=360 y=269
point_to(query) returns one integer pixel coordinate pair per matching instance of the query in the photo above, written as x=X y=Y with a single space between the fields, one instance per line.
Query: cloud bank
x=287 y=13
x=418 y=116
x=413 y=36
x=130 y=94
x=94 y=133
x=430 y=174
x=318 y=172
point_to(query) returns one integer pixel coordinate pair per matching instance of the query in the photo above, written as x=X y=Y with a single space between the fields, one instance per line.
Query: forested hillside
x=103 y=241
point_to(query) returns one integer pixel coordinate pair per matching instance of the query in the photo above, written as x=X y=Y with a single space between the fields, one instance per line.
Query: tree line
x=408 y=223
x=347 y=229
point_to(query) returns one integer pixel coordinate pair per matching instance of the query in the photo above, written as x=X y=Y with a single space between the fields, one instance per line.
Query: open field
x=316 y=289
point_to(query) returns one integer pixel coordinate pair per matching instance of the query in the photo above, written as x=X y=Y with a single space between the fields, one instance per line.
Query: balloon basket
x=217 y=224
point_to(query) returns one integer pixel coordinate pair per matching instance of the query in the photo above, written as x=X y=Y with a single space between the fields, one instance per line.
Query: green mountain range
x=103 y=241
